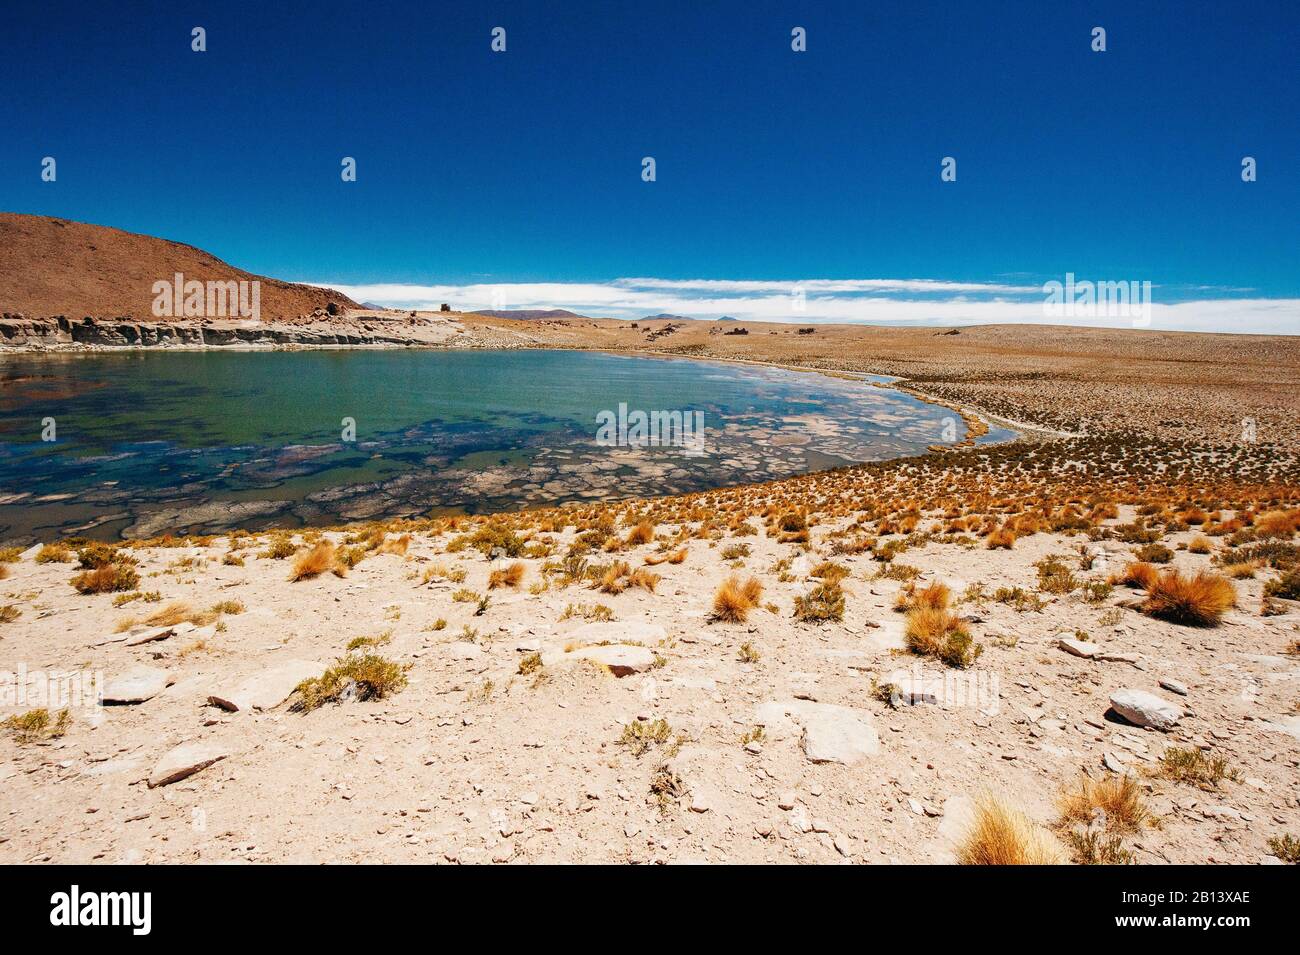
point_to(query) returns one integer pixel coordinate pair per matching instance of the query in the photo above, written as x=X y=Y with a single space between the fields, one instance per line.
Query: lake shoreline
x=277 y=468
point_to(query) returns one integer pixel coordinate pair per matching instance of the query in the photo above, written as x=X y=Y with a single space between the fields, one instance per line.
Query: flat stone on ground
x=136 y=685
x=265 y=689
x=1080 y=648
x=1145 y=709
x=618 y=631
x=620 y=660
x=831 y=734
x=186 y=760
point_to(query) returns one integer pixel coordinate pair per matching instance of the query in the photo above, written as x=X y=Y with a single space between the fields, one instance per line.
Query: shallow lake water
x=149 y=442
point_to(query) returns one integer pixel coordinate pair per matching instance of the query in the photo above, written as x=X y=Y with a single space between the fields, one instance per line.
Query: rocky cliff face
x=62 y=332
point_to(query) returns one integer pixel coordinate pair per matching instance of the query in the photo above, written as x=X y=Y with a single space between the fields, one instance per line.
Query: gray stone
x=1285 y=724
x=618 y=631
x=1080 y=648
x=958 y=818
x=265 y=689
x=1146 y=709
x=137 y=685
x=1115 y=656
x=617 y=659
x=1173 y=686
x=831 y=734
x=166 y=633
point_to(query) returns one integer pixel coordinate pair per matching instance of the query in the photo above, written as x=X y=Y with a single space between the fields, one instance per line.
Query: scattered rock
x=265 y=689
x=1173 y=686
x=619 y=660
x=1145 y=709
x=831 y=734
x=1115 y=656
x=618 y=631
x=958 y=817
x=186 y=760
x=1285 y=724
x=156 y=633
x=1080 y=648
x=137 y=685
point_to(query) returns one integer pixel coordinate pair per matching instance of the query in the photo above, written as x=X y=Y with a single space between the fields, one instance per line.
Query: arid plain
x=1083 y=642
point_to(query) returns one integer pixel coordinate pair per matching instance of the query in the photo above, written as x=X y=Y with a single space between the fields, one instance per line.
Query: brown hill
x=54 y=267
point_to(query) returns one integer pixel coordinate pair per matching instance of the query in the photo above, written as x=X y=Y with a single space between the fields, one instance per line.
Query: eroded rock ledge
x=63 y=332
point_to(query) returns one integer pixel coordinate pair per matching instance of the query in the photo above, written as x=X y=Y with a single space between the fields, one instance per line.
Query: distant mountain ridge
x=527 y=314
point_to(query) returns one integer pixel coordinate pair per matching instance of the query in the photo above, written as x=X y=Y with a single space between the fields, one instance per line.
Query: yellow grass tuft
x=511 y=576
x=54 y=554
x=933 y=596
x=317 y=561
x=1138 y=574
x=939 y=633
x=397 y=545
x=734 y=600
x=1003 y=835
x=674 y=557
x=106 y=579
x=643 y=533
x=367 y=676
x=1114 y=801
x=38 y=724
x=1003 y=537
x=1199 y=600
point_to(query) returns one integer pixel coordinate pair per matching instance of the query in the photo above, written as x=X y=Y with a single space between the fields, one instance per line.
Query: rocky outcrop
x=60 y=331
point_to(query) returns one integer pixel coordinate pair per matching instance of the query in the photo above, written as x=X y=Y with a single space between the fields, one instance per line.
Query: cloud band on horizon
x=820 y=301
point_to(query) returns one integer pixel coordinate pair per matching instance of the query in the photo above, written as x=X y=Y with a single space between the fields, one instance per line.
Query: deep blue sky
x=525 y=166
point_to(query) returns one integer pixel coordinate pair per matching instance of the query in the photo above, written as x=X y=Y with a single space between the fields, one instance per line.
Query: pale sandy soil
x=534 y=771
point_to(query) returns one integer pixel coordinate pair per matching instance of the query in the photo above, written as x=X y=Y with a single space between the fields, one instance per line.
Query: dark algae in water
x=204 y=441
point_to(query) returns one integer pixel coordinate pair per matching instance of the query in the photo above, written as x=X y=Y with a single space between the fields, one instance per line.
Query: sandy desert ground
x=600 y=702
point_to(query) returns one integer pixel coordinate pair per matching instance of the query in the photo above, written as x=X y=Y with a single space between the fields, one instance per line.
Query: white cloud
x=850 y=301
